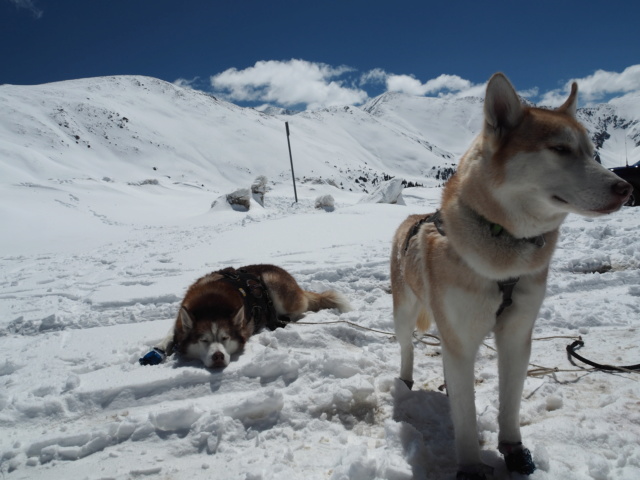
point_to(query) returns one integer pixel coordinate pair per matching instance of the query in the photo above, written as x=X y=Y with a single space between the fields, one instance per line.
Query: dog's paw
x=408 y=383
x=470 y=476
x=517 y=458
x=475 y=472
x=154 y=357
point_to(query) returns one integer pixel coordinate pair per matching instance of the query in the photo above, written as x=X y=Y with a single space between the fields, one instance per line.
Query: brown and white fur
x=212 y=323
x=525 y=171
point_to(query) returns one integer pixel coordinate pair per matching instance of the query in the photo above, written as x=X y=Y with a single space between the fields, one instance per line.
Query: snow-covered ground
x=92 y=269
x=309 y=401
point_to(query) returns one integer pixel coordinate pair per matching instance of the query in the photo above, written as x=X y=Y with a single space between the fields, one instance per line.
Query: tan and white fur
x=212 y=323
x=526 y=170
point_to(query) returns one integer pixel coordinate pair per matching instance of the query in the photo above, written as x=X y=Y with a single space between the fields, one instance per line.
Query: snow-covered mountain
x=615 y=130
x=89 y=127
x=106 y=188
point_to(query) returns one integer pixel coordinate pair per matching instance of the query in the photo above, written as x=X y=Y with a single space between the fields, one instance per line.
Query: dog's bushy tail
x=328 y=299
x=424 y=321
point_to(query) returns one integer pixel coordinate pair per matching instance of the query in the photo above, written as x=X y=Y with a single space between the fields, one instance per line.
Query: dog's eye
x=204 y=340
x=225 y=338
x=560 y=149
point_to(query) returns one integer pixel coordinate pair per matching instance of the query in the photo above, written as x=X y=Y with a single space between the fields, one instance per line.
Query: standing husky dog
x=221 y=310
x=493 y=240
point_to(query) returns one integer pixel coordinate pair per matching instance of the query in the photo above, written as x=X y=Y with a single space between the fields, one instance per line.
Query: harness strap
x=257 y=302
x=430 y=218
x=505 y=286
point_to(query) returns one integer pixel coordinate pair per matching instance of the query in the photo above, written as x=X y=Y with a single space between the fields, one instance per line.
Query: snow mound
x=325 y=202
x=389 y=191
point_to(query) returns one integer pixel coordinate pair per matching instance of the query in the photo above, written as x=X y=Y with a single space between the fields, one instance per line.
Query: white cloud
x=289 y=83
x=597 y=86
x=28 y=5
x=531 y=93
x=405 y=84
x=452 y=83
x=316 y=85
x=446 y=86
x=442 y=85
x=185 y=83
x=594 y=88
x=377 y=75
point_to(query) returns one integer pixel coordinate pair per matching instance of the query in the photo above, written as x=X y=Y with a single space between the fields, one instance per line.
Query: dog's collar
x=498 y=230
x=495 y=229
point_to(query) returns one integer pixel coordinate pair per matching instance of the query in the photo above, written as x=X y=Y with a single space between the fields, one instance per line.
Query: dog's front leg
x=463 y=327
x=513 y=340
x=460 y=379
x=166 y=344
x=160 y=351
x=514 y=349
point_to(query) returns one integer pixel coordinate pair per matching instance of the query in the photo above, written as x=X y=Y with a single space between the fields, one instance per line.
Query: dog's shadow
x=426 y=433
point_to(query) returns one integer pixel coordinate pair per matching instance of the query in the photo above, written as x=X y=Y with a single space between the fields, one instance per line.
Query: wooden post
x=293 y=176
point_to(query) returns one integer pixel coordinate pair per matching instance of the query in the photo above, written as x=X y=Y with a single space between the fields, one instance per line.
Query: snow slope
x=97 y=125
x=99 y=249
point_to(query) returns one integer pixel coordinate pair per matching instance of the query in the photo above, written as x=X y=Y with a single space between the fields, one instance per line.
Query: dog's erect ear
x=239 y=317
x=571 y=104
x=502 y=108
x=186 y=321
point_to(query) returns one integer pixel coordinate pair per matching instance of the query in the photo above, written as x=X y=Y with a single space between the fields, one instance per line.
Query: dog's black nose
x=218 y=359
x=622 y=188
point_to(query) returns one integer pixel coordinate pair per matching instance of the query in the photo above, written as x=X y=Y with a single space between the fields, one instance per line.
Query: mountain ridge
x=88 y=127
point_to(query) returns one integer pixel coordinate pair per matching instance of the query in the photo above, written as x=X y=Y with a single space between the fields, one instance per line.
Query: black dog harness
x=505 y=286
x=257 y=302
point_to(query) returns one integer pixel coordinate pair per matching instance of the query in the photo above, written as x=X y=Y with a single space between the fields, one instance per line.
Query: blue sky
x=303 y=54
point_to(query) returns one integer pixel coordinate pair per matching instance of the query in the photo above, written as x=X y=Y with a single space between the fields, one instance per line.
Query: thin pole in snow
x=293 y=176
x=626 y=156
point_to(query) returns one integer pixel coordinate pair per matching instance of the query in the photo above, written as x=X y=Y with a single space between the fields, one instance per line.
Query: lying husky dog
x=221 y=310
x=490 y=245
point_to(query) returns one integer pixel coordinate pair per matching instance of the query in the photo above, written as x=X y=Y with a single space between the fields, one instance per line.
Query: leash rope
x=571 y=351
x=539 y=370
x=536 y=371
x=355 y=325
